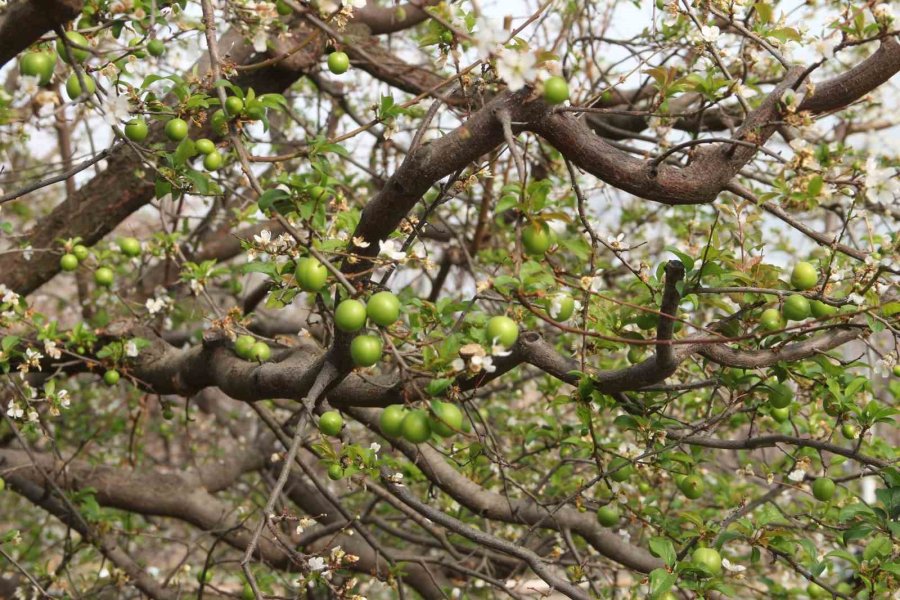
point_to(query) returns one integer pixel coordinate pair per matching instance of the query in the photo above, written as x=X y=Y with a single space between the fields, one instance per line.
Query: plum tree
x=590 y=299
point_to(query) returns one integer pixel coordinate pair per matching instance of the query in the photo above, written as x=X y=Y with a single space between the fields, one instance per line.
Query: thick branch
x=495 y=506
x=534 y=561
x=24 y=21
x=184 y=496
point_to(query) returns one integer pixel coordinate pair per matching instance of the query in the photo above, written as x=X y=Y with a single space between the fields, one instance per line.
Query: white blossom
x=797 y=475
x=8 y=296
x=516 y=68
x=617 y=242
x=885 y=366
x=883 y=12
x=63 y=398
x=263 y=238
x=51 y=350
x=826 y=45
x=197 y=286
x=458 y=364
x=155 y=305
x=115 y=109
x=730 y=566
x=489 y=37
x=14 y=411
x=482 y=363
x=499 y=349
x=709 y=33
x=30 y=84
x=882 y=184
x=33 y=358
x=316 y=563
x=131 y=349
x=855 y=298
x=392 y=250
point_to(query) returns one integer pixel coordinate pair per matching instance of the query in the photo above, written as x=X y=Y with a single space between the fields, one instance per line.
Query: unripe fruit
x=823 y=489
x=448 y=419
x=536 y=239
x=243 y=346
x=502 y=329
x=338 y=62
x=205 y=576
x=68 y=262
x=80 y=252
x=383 y=308
x=849 y=431
x=311 y=274
x=77 y=53
x=415 y=427
x=646 y=320
x=771 y=320
x=556 y=90
x=317 y=192
x=350 y=315
x=804 y=276
x=708 y=559
x=692 y=486
x=73 y=86
x=38 y=64
x=780 y=395
x=176 y=129
x=896 y=371
x=796 y=308
x=331 y=423
x=608 y=516
x=205 y=146
x=815 y=591
x=111 y=377
x=820 y=310
x=780 y=414
x=212 y=161
x=392 y=419
x=560 y=307
x=104 y=276
x=219 y=122
x=256 y=110
x=233 y=105
x=635 y=353
x=365 y=350
x=260 y=352
x=335 y=472
x=156 y=47
x=136 y=129
x=619 y=469
x=282 y=8
x=130 y=246
x=133 y=43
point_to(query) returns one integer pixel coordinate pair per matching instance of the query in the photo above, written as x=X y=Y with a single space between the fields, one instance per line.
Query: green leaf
x=260 y=267
x=854 y=510
x=437 y=387
x=879 y=547
x=9 y=342
x=660 y=582
x=269 y=197
x=684 y=258
x=664 y=549
x=890 y=309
